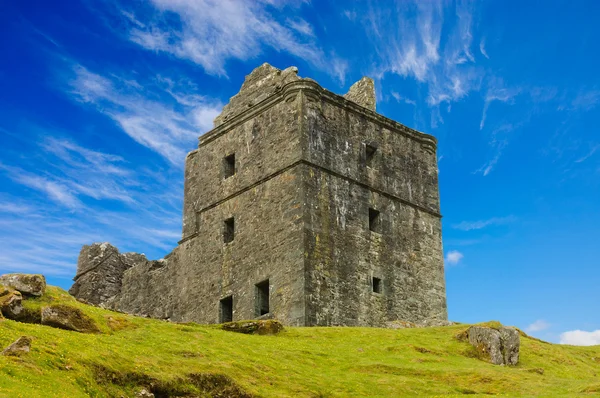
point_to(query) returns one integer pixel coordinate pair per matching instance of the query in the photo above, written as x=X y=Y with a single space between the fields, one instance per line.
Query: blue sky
x=101 y=100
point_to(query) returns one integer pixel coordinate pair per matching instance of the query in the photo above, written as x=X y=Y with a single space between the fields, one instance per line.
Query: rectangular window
x=374 y=220
x=229 y=165
x=377 y=285
x=226 y=309
x=370 y=154
x=262 y=298
x=228 y=230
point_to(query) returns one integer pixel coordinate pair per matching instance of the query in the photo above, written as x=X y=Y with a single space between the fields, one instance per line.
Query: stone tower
x=300 y=205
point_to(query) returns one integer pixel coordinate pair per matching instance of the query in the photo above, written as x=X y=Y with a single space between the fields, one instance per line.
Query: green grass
x=179 y=359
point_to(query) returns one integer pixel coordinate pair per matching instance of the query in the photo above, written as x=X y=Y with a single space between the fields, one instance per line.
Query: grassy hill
x=197 y=360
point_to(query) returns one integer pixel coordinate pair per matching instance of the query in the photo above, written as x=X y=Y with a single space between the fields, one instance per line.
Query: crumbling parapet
x=100 y=270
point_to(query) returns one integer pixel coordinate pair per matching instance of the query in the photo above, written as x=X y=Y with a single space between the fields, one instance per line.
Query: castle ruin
x=300 y=205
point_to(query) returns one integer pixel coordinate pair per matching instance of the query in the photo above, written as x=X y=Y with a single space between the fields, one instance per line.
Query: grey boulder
x=500 y=346
x=68 y=318
x=28 y=284
x=21 y=346
x=11 y=302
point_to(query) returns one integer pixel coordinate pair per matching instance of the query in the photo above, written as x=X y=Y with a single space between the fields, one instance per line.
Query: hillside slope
x=171 y=359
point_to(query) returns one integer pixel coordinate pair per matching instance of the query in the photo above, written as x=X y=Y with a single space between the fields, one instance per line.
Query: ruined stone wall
x=264 y=198
x=267 y=245
x=343 y=254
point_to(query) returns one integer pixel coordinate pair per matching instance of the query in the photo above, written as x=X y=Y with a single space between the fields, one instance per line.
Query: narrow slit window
x=226 y=309
x=197 y=222
x=228 y=230
x=229 y=165
x=370 y=151
x=377 y=288
x=262 y=298
x=374 y=220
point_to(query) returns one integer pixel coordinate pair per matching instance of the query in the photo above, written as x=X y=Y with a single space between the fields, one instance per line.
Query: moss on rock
x=69 y=318
x=28 y=284
x=262 y=327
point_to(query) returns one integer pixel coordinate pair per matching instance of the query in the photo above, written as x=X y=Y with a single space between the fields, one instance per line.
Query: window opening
x=377 y=285
x=374 y=220
x=226 y=309
x=369 y=154
x=228 y=230
x=262 y=298
x=229 y=165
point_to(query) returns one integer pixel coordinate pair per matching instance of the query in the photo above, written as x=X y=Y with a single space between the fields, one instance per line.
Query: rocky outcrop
x=363 y=93
x=68 y=318
x=10 y=302
x=28 y=284
x=21 y=346
x=500 y=346
x=262 y=327
x=100 y=269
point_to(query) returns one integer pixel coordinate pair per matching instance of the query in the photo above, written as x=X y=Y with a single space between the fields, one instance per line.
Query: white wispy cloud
x=350 y=14
x=482 y=48
x=473 y=225
x=586 y=100
x=409 y=44
x=453 y=257
x=54 y=190
x=169 y=128
x=580 y=337
x=591 y=152
x=537 y=326
x=301 y=26
x=83 y=181
x=400 y=98
x=497 y=91
x=209 y=33
x=499 y=139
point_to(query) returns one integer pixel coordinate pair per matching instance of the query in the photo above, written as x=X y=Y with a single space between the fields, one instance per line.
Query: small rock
x=28 y=284
x=11 y=305
x=144 y=393
x=500 y=346
x=68 y=318
x=262 y=327
x=19 y=347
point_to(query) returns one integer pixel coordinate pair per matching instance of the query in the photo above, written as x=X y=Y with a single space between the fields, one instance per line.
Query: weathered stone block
x=500 y=346
x=262 y=327
x=10 y=302
x=28 y=284
x=68 y=318
x=100 y=269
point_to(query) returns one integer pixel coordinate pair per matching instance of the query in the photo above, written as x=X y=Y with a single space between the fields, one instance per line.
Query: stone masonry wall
x=400 y=181
x=343 y=255
x=267 y=245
